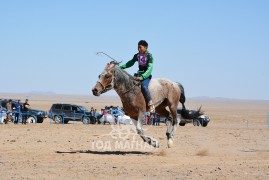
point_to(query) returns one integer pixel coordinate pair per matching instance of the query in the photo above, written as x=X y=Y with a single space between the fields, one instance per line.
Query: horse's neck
x=123 y=82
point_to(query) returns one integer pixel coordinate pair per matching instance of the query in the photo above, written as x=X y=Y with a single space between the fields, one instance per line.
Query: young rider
x=145 y=64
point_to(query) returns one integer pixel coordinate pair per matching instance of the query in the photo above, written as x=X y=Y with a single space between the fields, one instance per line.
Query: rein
x=131 y=88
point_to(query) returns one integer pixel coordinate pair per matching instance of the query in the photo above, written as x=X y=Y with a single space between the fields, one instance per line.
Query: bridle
x=110 y=86
x=105 y=88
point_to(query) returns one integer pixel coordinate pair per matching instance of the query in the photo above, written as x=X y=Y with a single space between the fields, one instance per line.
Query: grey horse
x=165 y=93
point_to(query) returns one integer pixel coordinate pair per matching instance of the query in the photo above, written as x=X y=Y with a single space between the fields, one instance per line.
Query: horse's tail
x=182 y=95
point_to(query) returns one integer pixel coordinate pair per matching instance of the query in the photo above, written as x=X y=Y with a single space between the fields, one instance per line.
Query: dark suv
x=196 y=117
x=33 y=115
x=63 y=113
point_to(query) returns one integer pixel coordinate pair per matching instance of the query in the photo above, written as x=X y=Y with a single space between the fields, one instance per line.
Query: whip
x=115 y=62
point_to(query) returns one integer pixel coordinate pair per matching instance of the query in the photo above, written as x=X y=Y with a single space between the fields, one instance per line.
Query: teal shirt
x=145 y=64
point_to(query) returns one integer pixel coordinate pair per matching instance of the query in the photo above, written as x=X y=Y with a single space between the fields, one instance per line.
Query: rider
x=145 y=62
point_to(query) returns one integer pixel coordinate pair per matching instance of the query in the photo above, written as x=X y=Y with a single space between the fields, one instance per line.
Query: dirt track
x=228 y=148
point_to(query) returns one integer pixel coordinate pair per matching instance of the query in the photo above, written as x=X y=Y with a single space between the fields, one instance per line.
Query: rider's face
x=142 y=49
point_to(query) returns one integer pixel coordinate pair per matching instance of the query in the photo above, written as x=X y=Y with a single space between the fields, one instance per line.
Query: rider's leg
x=146 y=93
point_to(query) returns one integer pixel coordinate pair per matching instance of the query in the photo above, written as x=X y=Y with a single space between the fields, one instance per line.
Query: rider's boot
x=151 y=107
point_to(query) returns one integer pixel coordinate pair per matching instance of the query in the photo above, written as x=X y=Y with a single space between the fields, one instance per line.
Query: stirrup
x=151 y=109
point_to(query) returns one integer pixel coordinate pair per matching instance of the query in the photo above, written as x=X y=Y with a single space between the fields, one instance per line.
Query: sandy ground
x=235 y=145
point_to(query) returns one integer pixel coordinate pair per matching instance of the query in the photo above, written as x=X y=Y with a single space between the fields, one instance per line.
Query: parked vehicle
x=3 y=115
x=122 y=118
x=63 y=113
x=196 y=117
x=33 y=115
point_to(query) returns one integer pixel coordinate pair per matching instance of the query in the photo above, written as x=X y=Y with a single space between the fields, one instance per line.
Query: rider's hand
x=138 y=78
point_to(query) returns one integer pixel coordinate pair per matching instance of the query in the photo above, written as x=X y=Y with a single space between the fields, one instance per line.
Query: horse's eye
x=106 y=76
x=99 y=76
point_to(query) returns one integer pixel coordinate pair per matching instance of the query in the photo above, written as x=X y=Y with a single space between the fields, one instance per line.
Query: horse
x=164 y=92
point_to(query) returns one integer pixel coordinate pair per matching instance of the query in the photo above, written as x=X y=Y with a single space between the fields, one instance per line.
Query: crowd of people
x=20 y=111
x=152 y=119
x=20 y=114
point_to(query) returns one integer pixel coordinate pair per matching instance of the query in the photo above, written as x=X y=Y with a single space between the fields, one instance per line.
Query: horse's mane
x=123 y=80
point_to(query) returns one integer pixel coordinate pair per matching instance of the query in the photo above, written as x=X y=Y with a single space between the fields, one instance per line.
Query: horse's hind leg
x=151 y=141
x=171 y=122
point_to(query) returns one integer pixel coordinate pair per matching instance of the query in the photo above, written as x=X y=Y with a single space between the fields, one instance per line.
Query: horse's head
x=105 y=82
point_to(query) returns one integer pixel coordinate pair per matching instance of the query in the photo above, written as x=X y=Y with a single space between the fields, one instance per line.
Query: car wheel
x=203 y=123
x=40 y=120
x=58 y=119
x=196 y=122
x=182 y=124
x=86 y=120
x=31 y=119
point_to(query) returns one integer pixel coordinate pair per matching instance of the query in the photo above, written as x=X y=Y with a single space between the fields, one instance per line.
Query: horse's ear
x=107 y=67
x=112 y=69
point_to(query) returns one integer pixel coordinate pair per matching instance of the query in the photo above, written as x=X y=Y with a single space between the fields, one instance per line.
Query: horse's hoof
x=170 y=143
x=155 y=143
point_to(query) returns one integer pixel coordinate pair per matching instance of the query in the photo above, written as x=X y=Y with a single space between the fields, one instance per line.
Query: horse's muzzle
x=95 y=92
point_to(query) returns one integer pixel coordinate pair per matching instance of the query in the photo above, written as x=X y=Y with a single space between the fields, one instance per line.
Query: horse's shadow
x=104 y=152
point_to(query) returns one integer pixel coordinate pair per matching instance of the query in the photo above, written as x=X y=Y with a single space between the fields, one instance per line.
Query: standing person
x=105 y=116
x=9 y=111
x=92 y=114
x=1 y=114
x=145 y=64
x=147 y=118
x=153 y=119
x=26 y=108
x=158 y=119
x=95 y=116
x=18 y=112
x=101 y=115
x=116 y=115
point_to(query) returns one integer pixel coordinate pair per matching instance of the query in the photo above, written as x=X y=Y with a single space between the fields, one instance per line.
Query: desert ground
x=234 y=145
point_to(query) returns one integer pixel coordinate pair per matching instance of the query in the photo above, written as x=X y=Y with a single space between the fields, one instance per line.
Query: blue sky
x=214 y=48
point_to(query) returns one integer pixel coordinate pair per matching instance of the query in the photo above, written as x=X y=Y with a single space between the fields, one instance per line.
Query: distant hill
x=42 y=92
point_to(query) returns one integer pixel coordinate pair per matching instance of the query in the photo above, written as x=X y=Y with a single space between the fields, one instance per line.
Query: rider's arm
x=129 y=63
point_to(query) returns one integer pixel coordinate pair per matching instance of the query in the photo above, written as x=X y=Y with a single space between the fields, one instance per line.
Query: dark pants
x=17 y=118
x=145 y=89
x=24 y=118
x=153 y=121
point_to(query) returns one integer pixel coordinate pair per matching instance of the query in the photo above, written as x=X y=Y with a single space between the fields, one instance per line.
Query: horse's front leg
x=139 y=123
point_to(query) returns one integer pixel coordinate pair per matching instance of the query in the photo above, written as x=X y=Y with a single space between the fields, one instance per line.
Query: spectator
x=9 y=111
x=1 y=116
x=105 y=116
x=116 y=115
x=18 y=112
x=92 y=116
x=101 y=114
x=95 y=115
x=26 y=108
x=147 y=117
x=152 y=117
x=158 y=119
